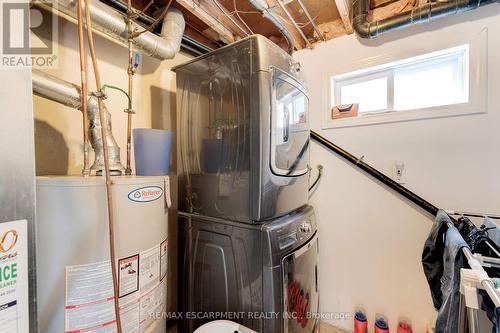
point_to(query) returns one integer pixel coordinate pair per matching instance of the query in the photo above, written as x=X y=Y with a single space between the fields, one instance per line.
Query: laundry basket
x=223 y=326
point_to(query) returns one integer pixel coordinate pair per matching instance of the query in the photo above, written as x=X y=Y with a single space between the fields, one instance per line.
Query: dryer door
x=300 y=289
x=289 y=126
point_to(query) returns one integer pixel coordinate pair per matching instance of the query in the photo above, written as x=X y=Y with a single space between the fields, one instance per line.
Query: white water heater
x=75 y=290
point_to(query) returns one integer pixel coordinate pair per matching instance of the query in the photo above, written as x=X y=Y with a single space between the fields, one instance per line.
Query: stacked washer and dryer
x=248 y=239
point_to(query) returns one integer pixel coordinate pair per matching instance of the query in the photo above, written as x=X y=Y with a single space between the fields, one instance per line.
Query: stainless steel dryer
x=244 y=132
x=262 y=276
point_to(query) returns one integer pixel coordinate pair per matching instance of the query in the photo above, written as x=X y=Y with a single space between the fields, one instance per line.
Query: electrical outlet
x=398 y=173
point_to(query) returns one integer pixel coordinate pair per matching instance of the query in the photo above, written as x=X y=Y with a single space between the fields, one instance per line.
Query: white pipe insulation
x=109 y=21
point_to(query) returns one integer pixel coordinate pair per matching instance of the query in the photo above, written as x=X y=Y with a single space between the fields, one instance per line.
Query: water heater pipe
x=109 y=194
x=130 y=73
x=83 y=81
x=421 y=14
x=112 y=23
x=57 y=90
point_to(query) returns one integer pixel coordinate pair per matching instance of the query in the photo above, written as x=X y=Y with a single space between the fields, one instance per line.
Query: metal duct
x=275 y=22
x=421 y=14
x=107 y=20
x=188 y=44
x=66 y=93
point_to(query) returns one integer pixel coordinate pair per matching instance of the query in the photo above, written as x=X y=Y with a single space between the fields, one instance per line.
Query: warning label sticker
x=89 y=298
x=128 y=281
x=89 y=293
x=149 y=269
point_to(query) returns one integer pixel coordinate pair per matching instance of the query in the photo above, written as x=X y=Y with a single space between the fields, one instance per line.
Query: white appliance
x=74 y=273
x=223 y=326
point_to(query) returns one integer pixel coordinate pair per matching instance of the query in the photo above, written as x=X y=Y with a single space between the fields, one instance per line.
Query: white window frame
x=378 y=67
x=363 y=78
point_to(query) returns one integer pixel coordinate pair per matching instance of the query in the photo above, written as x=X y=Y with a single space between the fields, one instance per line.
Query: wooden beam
x=333 y=29
x=274 y=8
x=392 y=9
x=226 y=35
x=379 y=3
x=222 y=14
x=344 y=10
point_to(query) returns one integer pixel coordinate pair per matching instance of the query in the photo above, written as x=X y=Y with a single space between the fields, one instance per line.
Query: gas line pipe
x=83 y=79
x=130 y=73
x=109 y=195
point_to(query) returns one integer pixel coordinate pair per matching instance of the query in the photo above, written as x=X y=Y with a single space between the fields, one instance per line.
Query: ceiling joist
x=308 y=21
x=225 y=34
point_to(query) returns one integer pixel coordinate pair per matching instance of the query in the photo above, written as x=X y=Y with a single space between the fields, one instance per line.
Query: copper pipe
x=130 y=72
x=83 y=74
x=107 y=173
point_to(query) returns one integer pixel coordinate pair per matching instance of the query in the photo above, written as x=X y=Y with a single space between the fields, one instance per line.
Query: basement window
x=418 y=83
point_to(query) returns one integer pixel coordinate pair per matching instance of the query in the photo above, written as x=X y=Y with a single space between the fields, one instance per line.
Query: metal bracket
x=98 y=94
x=132 y=111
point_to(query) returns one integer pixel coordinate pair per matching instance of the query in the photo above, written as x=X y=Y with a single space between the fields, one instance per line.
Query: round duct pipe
x=418 y=15
x=107 y=20
x=66 y=93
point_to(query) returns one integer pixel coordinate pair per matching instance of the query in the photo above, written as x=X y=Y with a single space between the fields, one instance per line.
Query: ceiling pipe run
x=188 y=44
x=266 y=14
x=421 y=14
x=109 y=21
x=69 y=94
x=283 y=7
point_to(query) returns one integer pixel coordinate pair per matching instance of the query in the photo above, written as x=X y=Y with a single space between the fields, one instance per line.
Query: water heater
x=75 y=291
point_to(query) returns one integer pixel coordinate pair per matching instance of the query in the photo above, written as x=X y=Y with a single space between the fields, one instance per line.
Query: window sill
x=399 y=116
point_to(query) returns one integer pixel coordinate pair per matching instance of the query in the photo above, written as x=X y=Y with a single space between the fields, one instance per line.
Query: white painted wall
x=371 y=239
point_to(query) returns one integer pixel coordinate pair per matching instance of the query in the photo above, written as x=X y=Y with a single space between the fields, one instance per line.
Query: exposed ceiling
x=215 y=23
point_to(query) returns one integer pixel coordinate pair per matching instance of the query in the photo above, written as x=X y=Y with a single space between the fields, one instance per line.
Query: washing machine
x=244 y=132
x=265 y=277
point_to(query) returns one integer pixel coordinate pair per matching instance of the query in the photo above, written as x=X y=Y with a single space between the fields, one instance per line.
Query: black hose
x=316 y=181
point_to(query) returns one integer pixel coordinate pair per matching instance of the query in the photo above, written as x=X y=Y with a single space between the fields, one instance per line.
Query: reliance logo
x=146 y=194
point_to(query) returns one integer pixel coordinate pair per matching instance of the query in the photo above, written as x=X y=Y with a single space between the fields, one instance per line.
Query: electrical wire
x=239 y=17
x=118 y=89
x=155 y=23
x=109 y=195
x=300 y=24
x=225 y=13
x=143 y=11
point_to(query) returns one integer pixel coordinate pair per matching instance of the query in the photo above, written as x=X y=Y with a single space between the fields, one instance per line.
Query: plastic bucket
x=152 y=148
